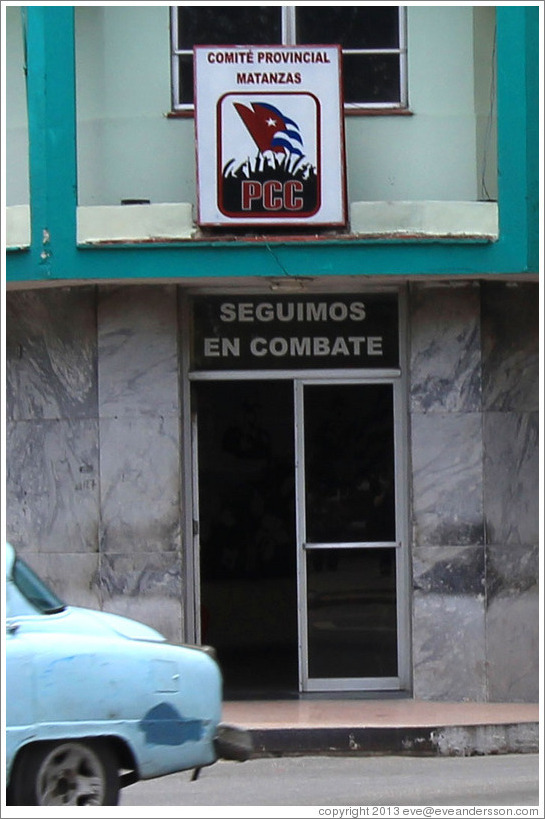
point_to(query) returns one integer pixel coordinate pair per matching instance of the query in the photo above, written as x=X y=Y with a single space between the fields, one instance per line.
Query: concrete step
x=302 y=726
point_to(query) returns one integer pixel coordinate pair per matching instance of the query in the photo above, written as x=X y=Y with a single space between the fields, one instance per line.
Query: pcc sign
x=269 y=135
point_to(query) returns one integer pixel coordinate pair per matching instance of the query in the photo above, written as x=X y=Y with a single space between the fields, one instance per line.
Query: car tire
x=233 y=743
x=69 y=772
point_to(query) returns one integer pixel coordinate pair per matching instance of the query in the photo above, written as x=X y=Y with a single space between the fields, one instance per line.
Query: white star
x=271 y=122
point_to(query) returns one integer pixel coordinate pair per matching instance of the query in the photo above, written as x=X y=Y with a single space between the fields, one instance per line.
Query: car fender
x=163 y=701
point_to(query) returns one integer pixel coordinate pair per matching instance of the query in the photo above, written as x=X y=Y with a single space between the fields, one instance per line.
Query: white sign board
x=270 y=136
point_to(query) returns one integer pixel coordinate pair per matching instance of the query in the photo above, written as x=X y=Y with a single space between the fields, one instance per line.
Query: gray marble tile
x=510 y=331
x=513 y=647
x=146 y=587
x=140 y=484
x=449 y=647
x=71 y=576
x=512 y=622
x=512 y=569
x=138 y=351
x=511 y=477
x=164 y=614
x=447 y=479
x=51 y=354
x=140 y=574
x=52 y=485
x=445 y=356
x=449 y=570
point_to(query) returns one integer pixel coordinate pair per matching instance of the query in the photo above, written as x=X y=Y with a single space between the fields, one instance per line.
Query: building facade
x=314 y=448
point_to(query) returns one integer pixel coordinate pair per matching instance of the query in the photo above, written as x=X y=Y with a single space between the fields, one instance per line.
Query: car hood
x=88 y=622
x=123 y=626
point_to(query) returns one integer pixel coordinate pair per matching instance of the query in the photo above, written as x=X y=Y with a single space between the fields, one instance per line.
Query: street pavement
x=507 y=780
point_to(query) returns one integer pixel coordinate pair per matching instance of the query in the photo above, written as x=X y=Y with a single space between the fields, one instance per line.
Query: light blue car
x=95 y=702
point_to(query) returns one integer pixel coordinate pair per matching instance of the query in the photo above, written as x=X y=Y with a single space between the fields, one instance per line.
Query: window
x=372 y=38
x=30 y=595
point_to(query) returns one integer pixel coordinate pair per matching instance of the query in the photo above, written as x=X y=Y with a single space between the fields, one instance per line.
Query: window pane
x=349 y=463
x=185 y=69
x=370 y=78
x=234 y=25
x=350 y=26
x=352 y=626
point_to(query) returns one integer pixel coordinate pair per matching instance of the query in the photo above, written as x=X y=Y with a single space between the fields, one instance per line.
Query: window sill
x=454 y=221
x=348 y=112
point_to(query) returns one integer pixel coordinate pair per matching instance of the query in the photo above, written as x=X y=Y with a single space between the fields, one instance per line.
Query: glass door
x=347 y=531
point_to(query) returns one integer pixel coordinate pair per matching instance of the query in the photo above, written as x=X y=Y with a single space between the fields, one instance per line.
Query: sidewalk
x=386 y=726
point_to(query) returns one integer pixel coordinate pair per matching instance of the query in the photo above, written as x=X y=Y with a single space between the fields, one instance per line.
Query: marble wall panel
x=513 y=647
x=512 y=622
x=138 y=352
x=511 y=569
x=145 y=586
x=511 y=477
x=52 y=492
x=449 y=623
x=445 y=354
x=140 y=445
x=140 y=490
x=449 y=647
x=510 y=331
x=51 y=354
x=71 y=575
x=447 y=479
x=449 y=570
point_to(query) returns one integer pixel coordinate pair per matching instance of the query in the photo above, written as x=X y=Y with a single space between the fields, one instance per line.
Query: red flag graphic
x=263 y=125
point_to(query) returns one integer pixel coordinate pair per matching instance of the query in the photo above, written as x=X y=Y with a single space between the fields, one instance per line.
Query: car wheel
x=73 y=772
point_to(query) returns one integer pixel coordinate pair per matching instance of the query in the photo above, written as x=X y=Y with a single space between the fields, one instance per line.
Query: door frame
x=397 y=376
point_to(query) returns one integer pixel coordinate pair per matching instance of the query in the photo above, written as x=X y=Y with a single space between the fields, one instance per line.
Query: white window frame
x=288 y=18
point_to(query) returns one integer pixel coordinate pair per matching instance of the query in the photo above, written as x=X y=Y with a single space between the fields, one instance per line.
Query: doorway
x=299 y=555
x=248 y=574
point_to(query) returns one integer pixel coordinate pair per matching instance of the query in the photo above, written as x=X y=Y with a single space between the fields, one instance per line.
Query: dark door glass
x=349 y=463
x=352 y=629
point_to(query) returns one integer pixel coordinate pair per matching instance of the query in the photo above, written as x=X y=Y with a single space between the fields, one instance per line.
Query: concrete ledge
x=471 y=740
x=135 y=223
x=470 y=221
x=18 y=227
x=487 y=739
x=455 y=220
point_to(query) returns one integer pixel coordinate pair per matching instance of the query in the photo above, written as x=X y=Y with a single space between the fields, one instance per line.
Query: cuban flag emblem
x=270 y=129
